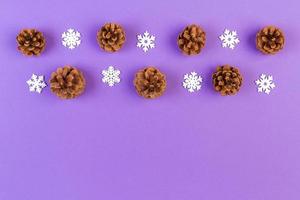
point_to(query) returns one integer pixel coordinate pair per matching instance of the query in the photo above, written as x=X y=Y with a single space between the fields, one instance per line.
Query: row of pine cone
x=68 y=82
x=111 y=37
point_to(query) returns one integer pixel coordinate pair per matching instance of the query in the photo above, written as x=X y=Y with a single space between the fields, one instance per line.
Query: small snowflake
x=192 y=82
x=229 y=39
x=36 y=83
x=146 y=41
x=265 y=84
x=71 y=38
x=111 y=76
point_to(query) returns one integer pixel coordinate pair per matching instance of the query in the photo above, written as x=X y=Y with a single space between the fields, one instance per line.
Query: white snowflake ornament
x=111 y=76
x=229 y=39
x=192 y=82
x=36 y=83
x=146 y=41
x=265 y=83
x=71 y=38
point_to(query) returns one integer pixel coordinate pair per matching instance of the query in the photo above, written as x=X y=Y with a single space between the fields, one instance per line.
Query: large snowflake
x=265 y=83
x=71 y=38
x=192 y=82
x=111 y=76
x=36 y=83
x=229 y=39
x=146 y=41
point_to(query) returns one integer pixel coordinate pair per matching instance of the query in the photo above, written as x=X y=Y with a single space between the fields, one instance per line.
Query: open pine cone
x=191 y=40
x=67 y=82
x=270 y=40
x=150 y=83
x=227 y=80
x=111 y=37
x=31 y=42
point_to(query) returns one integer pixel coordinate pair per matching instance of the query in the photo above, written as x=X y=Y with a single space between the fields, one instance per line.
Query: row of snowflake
x=72 y=39
x=191 y=81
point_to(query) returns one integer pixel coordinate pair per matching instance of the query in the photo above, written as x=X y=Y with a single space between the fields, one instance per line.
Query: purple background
x=112 y=144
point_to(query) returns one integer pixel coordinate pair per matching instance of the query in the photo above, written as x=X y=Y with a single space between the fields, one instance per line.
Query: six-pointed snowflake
x=71 y=38
x=265 y=83
x=36 y=83
x=229 y=39
x=111 y=76
x=192 y=82
x=146 y=41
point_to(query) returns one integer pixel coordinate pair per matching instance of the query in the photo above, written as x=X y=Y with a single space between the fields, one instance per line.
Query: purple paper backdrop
x=112 y=144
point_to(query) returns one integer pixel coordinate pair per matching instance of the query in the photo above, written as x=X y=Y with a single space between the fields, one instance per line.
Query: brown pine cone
x=111 y=37
x=150 y=83
x=31 y=42
x=191 y=40
x=227 y=80
x=67 y=82
x=270 y=40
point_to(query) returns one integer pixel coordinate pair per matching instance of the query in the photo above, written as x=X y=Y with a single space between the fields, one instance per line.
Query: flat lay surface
x=110 y=143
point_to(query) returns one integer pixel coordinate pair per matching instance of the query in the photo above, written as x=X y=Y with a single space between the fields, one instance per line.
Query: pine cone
x=227 y=80
x=31 y=42
x=111 y=37
x=191 y=40
x=150 y=83
x=270 y=40
x=67 y=82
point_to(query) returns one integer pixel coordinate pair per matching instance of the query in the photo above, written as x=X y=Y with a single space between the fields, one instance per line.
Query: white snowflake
x=71 y=38
x=192 y=82
x=229 y=39
x=36 y=83
x=265 y=83
x=146 y=41
x=111 y=76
